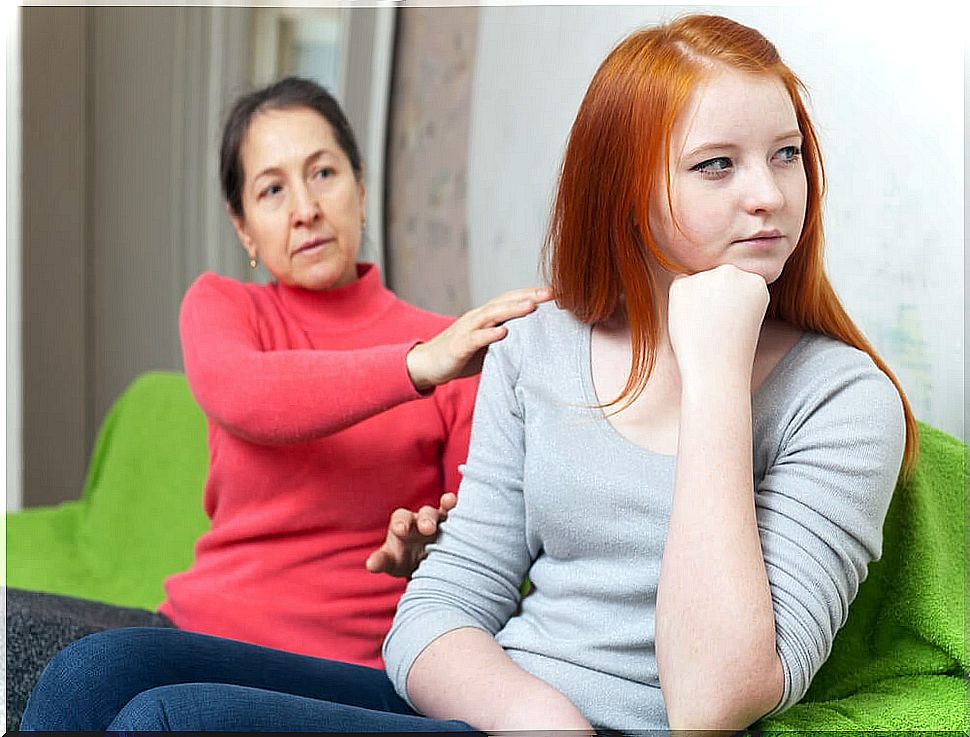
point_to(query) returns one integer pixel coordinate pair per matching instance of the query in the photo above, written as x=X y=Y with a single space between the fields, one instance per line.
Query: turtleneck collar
x=340 y=309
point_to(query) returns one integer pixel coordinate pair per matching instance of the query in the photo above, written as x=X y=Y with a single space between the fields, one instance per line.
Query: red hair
x=597 y=246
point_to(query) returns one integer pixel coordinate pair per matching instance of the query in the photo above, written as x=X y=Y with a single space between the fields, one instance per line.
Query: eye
x=713 y=168
x=789 y=154
x=324 y=173
x=271 y=191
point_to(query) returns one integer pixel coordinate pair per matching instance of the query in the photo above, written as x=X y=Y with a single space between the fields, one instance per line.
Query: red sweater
x=316 y=434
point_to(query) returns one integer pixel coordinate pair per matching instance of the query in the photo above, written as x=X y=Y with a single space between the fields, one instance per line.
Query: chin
x=772 y=275
x=767 y=270
x=327 y=276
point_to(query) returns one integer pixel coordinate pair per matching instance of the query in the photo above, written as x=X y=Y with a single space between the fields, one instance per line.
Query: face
x=303 y=207
x=737 y=181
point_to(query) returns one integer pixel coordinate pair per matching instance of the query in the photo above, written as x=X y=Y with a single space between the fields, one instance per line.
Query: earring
x=252 y=261
x=363 y=222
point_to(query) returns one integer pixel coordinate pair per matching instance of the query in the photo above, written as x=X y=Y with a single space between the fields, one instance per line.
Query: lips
x=765 y=236
x=766 y=239
x=312 y=245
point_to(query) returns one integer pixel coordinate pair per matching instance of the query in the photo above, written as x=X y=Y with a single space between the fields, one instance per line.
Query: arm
x=493 y=695
x=818 y=511
x=822 y=503
x=468 y=587
x=276 y=397
x=715 y=627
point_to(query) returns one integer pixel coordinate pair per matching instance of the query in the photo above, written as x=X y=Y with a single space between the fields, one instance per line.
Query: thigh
x=38 y=625
x=88 y=683
x=211 y=707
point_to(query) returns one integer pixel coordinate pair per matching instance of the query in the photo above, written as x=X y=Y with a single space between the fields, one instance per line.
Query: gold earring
x=252 y=261
x=363 y=222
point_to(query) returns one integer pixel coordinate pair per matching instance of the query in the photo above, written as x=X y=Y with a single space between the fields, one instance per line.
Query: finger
x=536 y=294
x=402 y=522
x=378 y=561
x=474 y=342
x=484 y=337
x=427 y=520
x=447 y=503
x=500 y=312
x=509 y=305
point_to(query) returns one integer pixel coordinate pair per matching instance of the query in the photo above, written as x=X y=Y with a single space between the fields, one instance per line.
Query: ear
x=239 y=225
x=362 y=192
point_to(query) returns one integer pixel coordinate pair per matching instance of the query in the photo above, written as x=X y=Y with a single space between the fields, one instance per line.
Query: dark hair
x=290 y=92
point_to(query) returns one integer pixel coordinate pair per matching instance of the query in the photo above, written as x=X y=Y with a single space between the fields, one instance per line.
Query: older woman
x=330 y=402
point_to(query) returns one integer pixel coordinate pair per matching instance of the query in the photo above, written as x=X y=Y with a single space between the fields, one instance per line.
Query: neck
x=339 y=308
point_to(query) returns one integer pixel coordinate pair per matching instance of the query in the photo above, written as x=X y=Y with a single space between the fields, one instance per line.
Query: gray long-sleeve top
x=552 y=491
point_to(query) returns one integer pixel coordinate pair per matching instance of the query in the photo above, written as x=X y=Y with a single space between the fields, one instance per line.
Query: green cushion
x=141 y=510
x=898 y=661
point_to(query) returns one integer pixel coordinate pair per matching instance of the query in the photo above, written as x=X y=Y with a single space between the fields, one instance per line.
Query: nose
x=305 y=210
x=762 y=192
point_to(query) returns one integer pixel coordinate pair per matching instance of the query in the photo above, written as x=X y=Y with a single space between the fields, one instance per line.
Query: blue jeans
x=148 y=679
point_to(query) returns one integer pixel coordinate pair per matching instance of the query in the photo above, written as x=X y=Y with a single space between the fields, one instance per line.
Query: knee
x=148 y=712
x=80 y=662
x=58 y=686
x=64 y=697
x=179 y=707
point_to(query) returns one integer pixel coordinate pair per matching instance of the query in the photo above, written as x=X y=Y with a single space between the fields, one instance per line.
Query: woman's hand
x=714 y=318
x=408 y=534
x=459 y=350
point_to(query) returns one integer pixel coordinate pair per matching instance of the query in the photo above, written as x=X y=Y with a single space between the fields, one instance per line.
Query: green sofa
x=898 y=664
x=141 y=510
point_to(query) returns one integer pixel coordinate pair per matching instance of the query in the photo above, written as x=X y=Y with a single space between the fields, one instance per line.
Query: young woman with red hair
x=699 y=379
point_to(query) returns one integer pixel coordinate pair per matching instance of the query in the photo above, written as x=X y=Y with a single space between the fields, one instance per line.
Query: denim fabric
x=147 y=679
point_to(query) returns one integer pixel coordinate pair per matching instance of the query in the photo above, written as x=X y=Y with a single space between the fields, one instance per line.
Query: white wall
x=887 y=94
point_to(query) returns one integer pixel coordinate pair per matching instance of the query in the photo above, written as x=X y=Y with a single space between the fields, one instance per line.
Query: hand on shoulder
x=459 y=349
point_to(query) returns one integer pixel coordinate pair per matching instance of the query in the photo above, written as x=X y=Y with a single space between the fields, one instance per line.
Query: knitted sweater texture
x=552 y=490
x=316 y=434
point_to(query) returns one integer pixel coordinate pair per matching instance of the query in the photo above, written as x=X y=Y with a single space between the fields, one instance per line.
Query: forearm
x=466 y=675
x=286 y=395
x=715 y=623
x=277 y=397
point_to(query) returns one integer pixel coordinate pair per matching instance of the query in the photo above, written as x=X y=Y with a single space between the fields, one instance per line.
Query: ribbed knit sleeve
x=822 y=502
x=472 y=575
x=279 y=396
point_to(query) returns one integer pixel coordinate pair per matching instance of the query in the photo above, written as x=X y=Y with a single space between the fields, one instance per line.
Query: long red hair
x=596 y=249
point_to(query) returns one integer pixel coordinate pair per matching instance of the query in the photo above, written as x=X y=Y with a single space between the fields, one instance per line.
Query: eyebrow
x=716 y=145
x=278 y=170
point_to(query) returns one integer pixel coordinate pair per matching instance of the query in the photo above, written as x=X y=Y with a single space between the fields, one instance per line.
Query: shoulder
x=215 y=299
x=548 y=330
x=824 y=365
x=836 y=394
x=539 y=349
x=210 y=285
